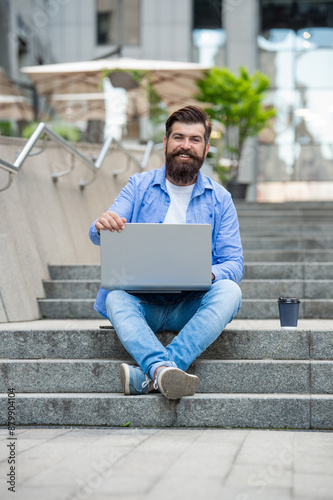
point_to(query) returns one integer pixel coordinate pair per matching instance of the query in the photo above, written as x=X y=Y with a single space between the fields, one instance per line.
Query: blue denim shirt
x=145 y=199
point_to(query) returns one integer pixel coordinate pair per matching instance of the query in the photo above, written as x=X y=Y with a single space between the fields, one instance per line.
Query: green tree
x=235 y=102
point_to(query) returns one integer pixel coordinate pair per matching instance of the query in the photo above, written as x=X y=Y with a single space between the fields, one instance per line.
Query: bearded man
x=176 y=193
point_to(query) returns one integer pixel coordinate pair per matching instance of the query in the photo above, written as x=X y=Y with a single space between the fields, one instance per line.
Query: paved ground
x=170 y=464
x=236 y=324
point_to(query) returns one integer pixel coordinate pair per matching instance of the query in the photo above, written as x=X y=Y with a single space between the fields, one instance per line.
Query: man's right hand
x=110 y=221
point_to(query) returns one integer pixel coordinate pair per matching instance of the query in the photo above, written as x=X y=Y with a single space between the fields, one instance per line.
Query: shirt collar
x=201 y=184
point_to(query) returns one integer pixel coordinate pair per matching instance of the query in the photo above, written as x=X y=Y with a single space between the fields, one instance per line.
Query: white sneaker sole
x=125 y=378
x=175 y=384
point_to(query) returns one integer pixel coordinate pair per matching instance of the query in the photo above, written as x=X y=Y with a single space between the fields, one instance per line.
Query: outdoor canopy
x=13 y=104
x=174 y=81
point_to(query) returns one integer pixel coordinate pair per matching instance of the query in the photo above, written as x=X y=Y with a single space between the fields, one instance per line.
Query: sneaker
x=134 y=380
x=174 y=383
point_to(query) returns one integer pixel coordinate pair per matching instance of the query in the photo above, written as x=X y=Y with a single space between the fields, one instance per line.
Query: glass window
x=314 y=163
x=314 y=117
x=296 y=52
x=276 y=163
x=283 y=125
x=118 y=22
x=131 y=22
x=295 y=14
x=279 y=66
x=207 y=14
x=313 y=69
x=314 y=38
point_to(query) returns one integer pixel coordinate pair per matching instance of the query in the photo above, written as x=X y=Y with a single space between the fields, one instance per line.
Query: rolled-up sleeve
x=122 y=206
x=228 y=261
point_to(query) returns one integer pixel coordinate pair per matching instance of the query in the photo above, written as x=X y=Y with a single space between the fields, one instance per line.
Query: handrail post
x=29 y=145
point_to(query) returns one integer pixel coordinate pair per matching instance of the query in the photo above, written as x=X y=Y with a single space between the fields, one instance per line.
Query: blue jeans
x=199 y=317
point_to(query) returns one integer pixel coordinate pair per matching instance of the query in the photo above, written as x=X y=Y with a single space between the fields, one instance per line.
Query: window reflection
x=313 y=69
x=299 y=64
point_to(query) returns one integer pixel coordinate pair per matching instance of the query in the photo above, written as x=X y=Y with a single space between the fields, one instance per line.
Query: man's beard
x=182 y=172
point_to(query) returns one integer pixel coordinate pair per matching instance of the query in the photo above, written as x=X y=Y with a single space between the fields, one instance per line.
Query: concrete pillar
x=241 y=22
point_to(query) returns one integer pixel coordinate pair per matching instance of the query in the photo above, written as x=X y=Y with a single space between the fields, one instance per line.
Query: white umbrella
x=13 y=105
x=174 y=81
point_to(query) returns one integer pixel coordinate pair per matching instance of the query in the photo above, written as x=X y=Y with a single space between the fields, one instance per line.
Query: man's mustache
x=183 y=152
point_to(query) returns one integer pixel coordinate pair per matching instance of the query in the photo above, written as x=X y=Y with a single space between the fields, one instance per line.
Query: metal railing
x=93 y=166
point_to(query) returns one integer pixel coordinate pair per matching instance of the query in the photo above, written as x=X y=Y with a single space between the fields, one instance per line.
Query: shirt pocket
x=153 y=206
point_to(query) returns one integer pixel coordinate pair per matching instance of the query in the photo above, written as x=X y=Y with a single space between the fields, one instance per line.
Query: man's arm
x=228 y=261
x=118 y=214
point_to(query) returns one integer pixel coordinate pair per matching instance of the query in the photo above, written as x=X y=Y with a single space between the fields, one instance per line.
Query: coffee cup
x=288 y=311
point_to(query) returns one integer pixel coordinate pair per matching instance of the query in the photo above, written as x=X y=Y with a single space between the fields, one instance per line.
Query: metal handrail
x=43 y=129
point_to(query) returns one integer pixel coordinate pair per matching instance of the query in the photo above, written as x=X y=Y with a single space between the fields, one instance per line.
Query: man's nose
x=186 y=144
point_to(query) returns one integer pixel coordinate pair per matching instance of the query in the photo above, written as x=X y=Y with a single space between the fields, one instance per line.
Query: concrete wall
x=44 y=223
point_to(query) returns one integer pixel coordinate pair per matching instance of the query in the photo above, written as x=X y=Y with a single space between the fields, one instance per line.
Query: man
x=175 y=193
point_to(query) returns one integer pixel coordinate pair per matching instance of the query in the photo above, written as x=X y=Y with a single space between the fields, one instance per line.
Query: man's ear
x=207 y=149
x=164 y=143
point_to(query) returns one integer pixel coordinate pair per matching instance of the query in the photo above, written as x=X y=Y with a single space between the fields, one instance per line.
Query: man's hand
x=110 y=221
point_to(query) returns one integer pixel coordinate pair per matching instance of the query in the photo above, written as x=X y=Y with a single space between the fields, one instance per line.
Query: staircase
x=254 y=377
x=288 y=251
x=248 y=378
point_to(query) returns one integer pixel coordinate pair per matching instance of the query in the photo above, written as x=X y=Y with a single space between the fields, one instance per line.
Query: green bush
x=6 y=128
x=235 y=101
x=66 y=131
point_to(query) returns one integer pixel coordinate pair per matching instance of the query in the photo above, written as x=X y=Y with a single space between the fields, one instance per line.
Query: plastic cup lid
x=289 y=300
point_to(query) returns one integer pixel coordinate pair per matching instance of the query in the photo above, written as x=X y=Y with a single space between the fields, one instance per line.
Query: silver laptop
x=157 y=258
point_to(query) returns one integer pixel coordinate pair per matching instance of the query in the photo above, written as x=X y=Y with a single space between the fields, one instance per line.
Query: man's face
x=185 y=152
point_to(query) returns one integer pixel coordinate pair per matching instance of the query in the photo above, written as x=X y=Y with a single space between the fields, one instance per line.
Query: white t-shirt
x=179 y=199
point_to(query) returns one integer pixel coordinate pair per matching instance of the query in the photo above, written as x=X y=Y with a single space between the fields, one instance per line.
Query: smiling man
x=176 y=193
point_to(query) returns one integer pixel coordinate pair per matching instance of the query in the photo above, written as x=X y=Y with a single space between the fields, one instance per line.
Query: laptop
x=157 y=258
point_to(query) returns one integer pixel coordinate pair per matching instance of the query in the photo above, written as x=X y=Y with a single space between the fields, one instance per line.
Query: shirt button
x=142 y=204
x=210 y=215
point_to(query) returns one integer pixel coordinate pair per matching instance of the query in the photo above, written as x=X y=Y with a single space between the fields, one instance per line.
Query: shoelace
x=146 y=382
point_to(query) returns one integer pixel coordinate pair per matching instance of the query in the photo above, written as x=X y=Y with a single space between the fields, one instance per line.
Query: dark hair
x=189 y=114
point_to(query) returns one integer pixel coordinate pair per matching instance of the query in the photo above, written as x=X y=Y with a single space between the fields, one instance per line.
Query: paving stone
x=313 y=486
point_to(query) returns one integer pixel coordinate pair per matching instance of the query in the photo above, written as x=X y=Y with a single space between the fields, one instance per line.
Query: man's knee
x=228 y=290
x=115 y=300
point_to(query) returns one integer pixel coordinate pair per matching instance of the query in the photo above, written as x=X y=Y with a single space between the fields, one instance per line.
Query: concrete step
x=279 y=411
x=216 y=376
x=75 y=272
x=300 y=255
x=268 y=309
x=289 y=270
x=306 y=270
x=251 y=309
x=319 y=242
x=68 y=308
x=251 y=288
x=103 y=343
x=262 y=229
x=272 y=289
x=71 y=289
x=253 y=270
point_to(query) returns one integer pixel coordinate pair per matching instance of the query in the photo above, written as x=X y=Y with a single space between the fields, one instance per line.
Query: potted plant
x=236 y=103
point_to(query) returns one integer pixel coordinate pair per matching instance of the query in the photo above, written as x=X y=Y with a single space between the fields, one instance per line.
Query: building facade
x=290 y=40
